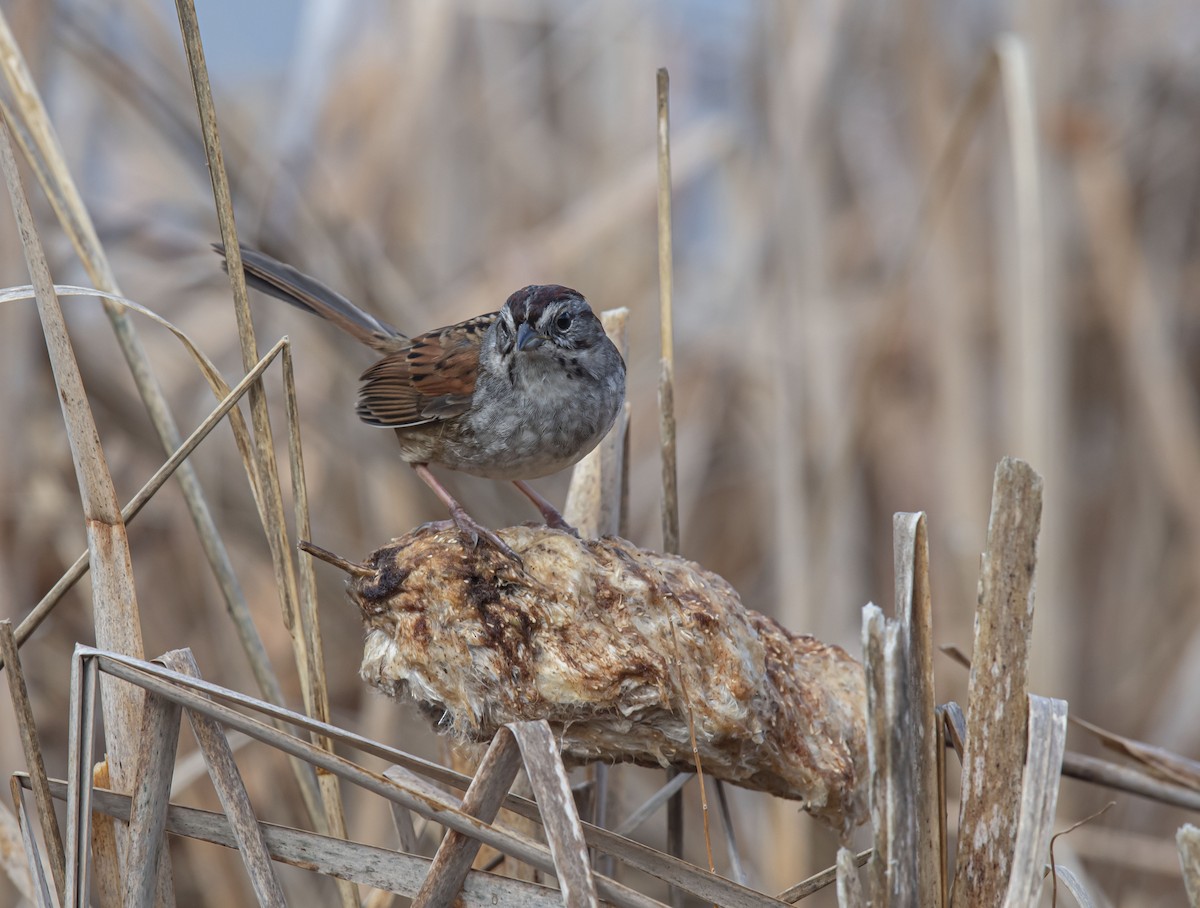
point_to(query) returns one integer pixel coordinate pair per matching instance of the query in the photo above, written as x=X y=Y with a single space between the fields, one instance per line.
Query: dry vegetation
x=887 y=275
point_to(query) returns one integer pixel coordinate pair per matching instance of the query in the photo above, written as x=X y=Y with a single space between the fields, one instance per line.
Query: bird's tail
x=286 y=283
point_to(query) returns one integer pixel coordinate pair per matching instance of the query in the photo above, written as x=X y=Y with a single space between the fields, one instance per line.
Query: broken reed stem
x=819 y=881
x=343 y=564
x=666 y=425
x=33 y=759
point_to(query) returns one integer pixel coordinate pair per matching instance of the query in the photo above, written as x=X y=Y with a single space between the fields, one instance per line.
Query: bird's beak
x=528 y=339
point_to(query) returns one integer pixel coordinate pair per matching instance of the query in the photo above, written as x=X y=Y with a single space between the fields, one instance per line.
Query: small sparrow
x=515 y=394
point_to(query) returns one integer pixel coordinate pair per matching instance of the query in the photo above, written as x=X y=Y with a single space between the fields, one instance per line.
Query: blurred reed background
x=840 y=356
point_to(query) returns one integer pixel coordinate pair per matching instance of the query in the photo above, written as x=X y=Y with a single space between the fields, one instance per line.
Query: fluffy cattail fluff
x=614 y=646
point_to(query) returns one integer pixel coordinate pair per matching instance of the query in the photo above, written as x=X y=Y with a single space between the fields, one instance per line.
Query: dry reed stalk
x=42 y=149
x=265 y=466
x=1046 y=736
x=1157 y=761
x=40 y=612
x=530 y=744
x=998 y=712
x=147 y=868
x=914 y=612
x=396 y=872
x=19 y=693
x=1032 y=340
x=666 y=382
x=317 y=700
x=114 y=602
x=418 y=795
x=907 y=865
x=666 y=416
x=230 y=789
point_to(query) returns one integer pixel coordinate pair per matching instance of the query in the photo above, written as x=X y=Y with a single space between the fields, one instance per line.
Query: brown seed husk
x=583 y=639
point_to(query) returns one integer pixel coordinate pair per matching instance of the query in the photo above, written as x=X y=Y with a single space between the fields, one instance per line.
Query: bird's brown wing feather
x=429 y=380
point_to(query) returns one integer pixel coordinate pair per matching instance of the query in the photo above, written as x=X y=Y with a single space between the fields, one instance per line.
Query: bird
x=514 y=395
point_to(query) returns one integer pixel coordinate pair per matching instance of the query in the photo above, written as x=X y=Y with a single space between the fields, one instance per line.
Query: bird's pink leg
x=549 y=512
x=462 y=519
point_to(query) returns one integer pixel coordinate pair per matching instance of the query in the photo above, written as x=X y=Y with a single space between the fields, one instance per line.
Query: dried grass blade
x=1046 y=742
x=35 y=875
x=737 y=869
x=1161 y=762
x=42 y=149
x=364 y=864
x=27 y=729
x=424 y=799
x=653 y=803
x=893 y=871
x=39 y=613
x=998 y=711
x=402 y=817
x=232 y=792
x=1128 y=778
x=317 y=693
x=81 y=730
x=1031 y=331
x=264 y=463
x=313 y=662
x=1075 y=886
x=819 y=881
x=956 y=727
x=666 y=424
x=666 y=384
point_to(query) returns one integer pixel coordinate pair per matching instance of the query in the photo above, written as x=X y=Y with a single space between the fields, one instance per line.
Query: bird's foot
x=476 y=531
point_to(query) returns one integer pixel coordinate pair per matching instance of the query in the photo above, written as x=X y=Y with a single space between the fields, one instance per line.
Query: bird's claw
x=555 y=521
x=476 y=531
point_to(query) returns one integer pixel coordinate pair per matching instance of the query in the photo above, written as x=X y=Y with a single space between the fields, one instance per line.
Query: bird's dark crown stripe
x=528 y=303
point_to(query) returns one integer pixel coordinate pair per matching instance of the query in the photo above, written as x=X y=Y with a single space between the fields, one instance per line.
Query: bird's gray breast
x=538 y=415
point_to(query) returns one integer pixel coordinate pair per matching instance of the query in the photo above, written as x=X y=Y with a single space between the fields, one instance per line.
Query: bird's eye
x=563 y=322
x=504 y=338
